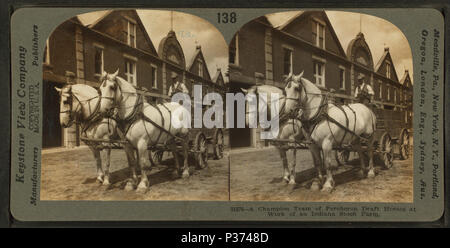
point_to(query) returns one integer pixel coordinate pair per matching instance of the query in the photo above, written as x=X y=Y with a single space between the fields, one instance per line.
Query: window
x=388 y=92
x=388 y=70
x=200 y=67
x=47 y=52
x=287 y=60
x=98 y=60
x=395 y=95
x=318 y=33
x=154 y=77
x=130 y=71
x=234 y=50
x=342 y=77
x=380 y=90
x=319 y=73
x=131 y=33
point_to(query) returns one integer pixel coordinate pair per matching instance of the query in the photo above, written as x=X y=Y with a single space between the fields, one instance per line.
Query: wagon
x=203 y=142
x=392 y=138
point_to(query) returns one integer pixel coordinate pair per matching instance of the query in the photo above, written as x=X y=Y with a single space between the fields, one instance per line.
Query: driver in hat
x=364 y=92
x=177 y=86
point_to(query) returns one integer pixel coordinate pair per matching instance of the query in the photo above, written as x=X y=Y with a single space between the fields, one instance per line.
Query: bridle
x=301 y=100
x=74 y=113
x=110 y=98
x=116 y=102
x=70 y=111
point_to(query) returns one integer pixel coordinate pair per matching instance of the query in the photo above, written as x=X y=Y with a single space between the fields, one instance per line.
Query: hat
x=361 y=76
x=174 y=75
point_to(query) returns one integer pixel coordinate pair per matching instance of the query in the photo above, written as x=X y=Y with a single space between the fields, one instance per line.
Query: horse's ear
x=244 y=90
x=116 y=73
x=104 y=74
x=298 y=77
x=58 y=89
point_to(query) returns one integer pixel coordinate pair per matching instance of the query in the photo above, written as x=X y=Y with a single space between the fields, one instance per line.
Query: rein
x=73 y=114
x=137 y=114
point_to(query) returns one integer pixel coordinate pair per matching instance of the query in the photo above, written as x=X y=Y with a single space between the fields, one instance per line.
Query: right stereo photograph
x=328 y=110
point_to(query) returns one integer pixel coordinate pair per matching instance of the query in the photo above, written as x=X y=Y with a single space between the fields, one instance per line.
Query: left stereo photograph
x=108 y=129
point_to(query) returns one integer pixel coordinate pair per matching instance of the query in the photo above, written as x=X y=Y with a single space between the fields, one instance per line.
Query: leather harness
x=322 y=115
x=138 y=114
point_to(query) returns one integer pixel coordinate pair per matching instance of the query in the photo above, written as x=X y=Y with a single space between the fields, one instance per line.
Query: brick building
x=78 y=52
x=262 y=53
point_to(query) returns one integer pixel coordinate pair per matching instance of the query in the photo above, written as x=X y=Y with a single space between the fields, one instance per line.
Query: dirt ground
x=71 y=175
x=256 y=176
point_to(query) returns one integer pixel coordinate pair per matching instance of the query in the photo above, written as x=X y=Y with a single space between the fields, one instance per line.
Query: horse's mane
x=84 y=92
x=125 y=85
x=310 y=85
x=270 y=89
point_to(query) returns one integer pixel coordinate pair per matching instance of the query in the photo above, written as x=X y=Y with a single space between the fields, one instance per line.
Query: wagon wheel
x=387 y=151
x=201 y=150
x=218 y=144
x=404 y=144
x=156 y=157
x=342 y=157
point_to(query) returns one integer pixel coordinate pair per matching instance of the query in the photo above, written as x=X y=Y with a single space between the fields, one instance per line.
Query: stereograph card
x=236 y=114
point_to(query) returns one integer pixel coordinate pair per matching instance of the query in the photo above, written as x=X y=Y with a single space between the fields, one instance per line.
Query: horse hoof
x=371 y=174
x=327 y=189
x=129 y=186
x=100 y=179
x=175 y=174
x=185 y=174
x=141 y=190
x=361 y=174
x=315 y=186
x=285 y=179
x=106 y=182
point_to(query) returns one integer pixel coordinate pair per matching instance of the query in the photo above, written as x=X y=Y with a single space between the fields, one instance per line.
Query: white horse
x=330 y=126
x=144 y=125
x=290 y=127
x=80 y=103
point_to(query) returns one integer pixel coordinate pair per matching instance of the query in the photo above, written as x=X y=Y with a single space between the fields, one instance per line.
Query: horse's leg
x=98 y=161
x=107 y=156
x=317 y=159
x=185 y=173
x=358 y=148
x=143 y=163
x=284 y=161
x=132 y=164
x=371 y=172
x=173 y=147
x=291 y=165
x=327 y=148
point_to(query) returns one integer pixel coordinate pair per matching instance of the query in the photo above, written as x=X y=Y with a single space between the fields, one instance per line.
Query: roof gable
x=218 y=77
x=301 y=18
x=114 y=23
x=406 y=80
x=381 y=65
x=194 y=63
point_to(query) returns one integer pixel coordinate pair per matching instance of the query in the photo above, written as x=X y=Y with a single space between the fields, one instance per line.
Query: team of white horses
x=118 y=110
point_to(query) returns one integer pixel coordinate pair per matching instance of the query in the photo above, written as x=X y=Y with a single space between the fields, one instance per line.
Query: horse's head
x=110 y=91
x=293 y=90
x=67 y=110
x=247 y=92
